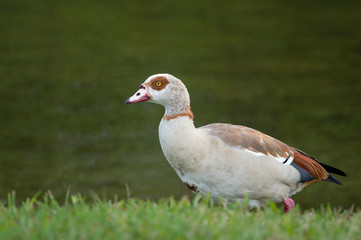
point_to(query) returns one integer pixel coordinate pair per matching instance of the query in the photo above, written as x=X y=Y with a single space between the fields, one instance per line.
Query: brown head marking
x=158 y=83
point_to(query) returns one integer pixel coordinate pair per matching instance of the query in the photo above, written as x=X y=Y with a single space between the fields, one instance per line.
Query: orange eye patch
x=158 y=84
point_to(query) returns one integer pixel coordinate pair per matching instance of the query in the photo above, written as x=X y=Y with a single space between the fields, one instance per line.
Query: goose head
x=166 y=90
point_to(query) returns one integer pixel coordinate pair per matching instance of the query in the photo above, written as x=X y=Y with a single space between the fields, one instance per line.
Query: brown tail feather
x=317 y=169
x=310 y=165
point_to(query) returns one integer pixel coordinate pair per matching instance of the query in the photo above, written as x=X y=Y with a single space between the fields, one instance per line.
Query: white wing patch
x=286 y=161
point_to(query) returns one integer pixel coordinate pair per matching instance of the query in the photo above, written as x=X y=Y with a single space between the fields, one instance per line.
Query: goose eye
x=158 y=84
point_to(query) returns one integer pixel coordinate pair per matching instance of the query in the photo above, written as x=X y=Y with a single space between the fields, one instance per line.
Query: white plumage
x=225 y=160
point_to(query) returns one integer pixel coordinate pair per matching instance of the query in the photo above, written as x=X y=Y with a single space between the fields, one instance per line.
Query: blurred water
x=291 y=70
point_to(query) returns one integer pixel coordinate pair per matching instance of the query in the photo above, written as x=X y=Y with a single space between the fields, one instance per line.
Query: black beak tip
x=127 y=101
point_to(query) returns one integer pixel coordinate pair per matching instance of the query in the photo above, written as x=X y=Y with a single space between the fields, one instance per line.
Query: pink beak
x=140 y=96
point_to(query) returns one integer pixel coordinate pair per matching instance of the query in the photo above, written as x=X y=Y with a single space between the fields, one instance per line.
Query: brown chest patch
x=158 y=83
x=191 y=187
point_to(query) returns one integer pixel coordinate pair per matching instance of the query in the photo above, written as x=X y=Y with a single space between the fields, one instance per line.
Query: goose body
x=227 y=161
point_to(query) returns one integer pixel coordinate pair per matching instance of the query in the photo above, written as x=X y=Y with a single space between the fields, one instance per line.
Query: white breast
x=182 y=144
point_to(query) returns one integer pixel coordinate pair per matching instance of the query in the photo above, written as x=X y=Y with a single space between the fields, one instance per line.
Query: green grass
x=78 y=219
x=290 y=69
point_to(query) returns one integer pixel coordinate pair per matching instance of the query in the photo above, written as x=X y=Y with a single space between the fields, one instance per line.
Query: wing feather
x=260 y=143
x=250 y=139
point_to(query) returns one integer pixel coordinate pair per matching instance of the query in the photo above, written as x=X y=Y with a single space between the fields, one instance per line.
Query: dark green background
x=288 y=68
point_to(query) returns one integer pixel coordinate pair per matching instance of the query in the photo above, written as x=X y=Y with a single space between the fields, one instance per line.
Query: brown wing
x=248 y=138
x=253 y=140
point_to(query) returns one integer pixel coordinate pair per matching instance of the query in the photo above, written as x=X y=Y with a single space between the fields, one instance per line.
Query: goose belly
x=231 y=174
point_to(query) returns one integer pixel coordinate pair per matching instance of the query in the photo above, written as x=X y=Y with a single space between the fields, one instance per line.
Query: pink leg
x=289 y=204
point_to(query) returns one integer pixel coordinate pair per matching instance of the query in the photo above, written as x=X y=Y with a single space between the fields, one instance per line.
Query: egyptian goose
x=228 y=161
